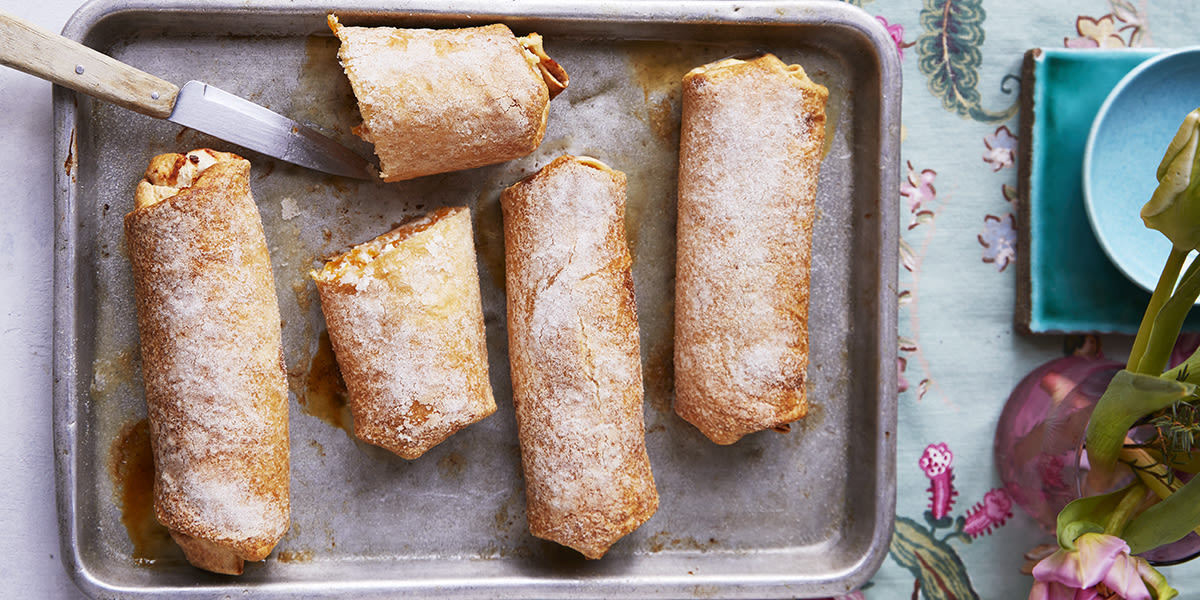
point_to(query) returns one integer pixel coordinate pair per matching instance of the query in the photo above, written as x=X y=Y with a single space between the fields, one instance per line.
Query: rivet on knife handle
x=29 y=48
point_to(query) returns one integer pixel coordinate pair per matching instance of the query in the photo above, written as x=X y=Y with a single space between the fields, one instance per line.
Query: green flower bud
x=1174 y=209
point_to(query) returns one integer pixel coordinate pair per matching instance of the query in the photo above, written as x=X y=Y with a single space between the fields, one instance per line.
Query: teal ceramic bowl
x=1127 y=140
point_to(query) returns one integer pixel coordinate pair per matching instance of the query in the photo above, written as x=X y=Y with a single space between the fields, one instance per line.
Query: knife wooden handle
x=29 y=48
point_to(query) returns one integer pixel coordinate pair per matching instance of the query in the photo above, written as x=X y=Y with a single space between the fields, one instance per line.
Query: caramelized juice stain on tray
x=110 y=373
x=325 y=393
x=294 y=556
x=658 y=69
x=833 y=109
x=452 y=465
x=131 y=466
x=660 y=66
x=663 y=540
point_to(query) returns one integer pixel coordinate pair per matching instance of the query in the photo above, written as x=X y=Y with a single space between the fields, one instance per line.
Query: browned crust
x=750 y=153
x=574 y=352
x=212 y=360
x=434 y=101
x=405 y=317
x=209 y=556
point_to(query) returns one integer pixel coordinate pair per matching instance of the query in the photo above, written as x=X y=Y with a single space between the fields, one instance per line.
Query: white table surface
x=31 y=564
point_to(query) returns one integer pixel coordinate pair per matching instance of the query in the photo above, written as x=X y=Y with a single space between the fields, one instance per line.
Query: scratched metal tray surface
x=808 y=513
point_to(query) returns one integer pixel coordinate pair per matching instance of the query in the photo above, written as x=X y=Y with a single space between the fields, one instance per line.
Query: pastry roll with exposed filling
x=216 y=389
x=574 y=351
x=439 y=100
x=749 y=159
x=406 y=321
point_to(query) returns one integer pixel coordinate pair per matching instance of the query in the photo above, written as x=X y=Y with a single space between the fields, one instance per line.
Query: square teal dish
x=1065 y=281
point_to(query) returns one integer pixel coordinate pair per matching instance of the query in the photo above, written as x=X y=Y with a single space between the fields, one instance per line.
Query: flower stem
x=1150 y=471
x=1168 y=323
x=1162 y=291
x=1123 y=513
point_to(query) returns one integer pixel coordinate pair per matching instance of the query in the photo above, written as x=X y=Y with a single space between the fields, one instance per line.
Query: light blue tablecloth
x=960 y=355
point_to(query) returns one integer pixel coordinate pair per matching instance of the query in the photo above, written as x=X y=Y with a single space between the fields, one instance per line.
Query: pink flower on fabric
x=1001 y=148
x=993 y=511
x=896 y=31
x=1099 y=566
x=918 y=187
x=937 y=461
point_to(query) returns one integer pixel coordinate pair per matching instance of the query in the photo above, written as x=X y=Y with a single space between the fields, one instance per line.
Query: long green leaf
x=1169 y=321
x=932 y=562
x=1129 y=397
x=1167 y=521
x=950 y=56
x=1085 y=515
x=1162 y=291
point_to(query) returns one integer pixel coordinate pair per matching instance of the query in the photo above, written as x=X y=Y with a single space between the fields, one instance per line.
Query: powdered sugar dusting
x=405 y=317
x=215 y=387
x=439 y=100
x=750 y=145
x=576 y=363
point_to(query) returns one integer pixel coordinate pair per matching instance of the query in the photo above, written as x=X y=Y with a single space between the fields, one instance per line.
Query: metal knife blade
x=29 y=48
x=209 y=109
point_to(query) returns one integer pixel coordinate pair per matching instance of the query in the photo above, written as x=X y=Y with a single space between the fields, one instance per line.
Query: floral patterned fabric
x=958 y=534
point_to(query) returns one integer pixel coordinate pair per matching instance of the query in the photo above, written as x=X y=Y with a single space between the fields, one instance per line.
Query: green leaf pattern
x=950 y=56
x=935 y=565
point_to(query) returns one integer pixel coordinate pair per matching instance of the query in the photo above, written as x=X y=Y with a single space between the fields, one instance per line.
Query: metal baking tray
x=808 y=513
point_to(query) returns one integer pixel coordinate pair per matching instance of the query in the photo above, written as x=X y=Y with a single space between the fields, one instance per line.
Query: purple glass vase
x=1038 y=436
x=1039 y=445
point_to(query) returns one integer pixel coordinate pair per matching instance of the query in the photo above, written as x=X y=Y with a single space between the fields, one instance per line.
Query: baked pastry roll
x=749 y=158
x=216 y=389
x=574 y=351
x=406 y=321
x=439 y=100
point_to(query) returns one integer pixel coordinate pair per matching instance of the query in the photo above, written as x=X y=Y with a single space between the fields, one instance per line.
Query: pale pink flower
x=999 y=240
x=1001 y=148
x=918 y=187
x=1099 y=566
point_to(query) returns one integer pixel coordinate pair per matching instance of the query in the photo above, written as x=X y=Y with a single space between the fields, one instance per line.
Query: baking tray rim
x=685 y=12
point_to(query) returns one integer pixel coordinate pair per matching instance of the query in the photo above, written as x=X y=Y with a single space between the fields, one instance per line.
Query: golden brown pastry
x=439 y=100
x=574 y=351
x=749 y=159
x=212 y=360
x=406 y=322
